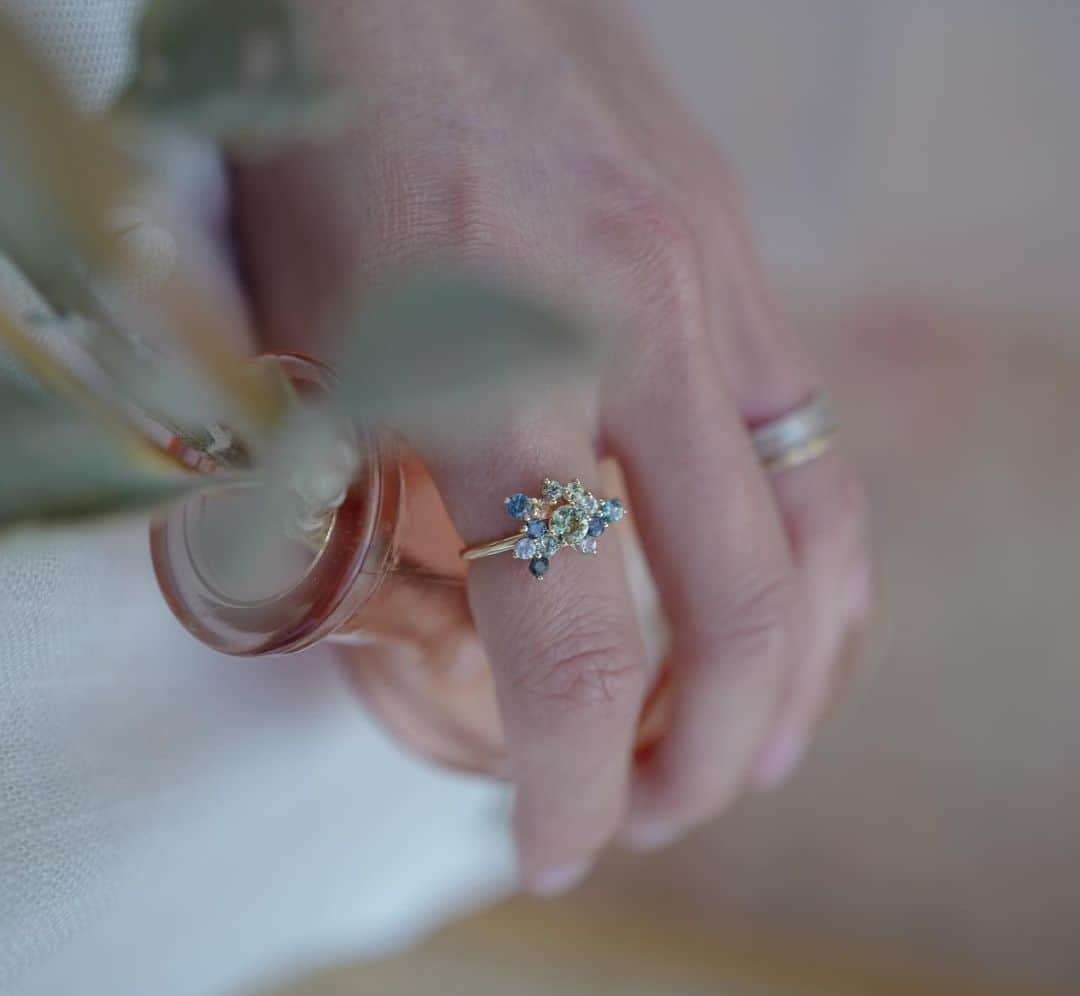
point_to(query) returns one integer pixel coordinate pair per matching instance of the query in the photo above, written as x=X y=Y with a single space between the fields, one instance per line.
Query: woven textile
x=172 y=821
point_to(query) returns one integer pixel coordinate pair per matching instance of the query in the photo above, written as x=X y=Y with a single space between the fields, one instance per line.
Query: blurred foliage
x=63 y=193
x=242 y=72
x=61 y=176
x=436 y=341
x=142 y=344
x=60 y=465
x=67 y=469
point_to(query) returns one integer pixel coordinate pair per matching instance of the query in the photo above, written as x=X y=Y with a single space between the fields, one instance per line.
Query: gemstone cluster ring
x=564 y=516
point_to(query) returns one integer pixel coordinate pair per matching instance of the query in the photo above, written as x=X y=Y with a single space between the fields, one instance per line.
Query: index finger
x=567 y=656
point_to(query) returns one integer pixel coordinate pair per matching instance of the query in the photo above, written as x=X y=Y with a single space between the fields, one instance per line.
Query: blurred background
x=914 y=175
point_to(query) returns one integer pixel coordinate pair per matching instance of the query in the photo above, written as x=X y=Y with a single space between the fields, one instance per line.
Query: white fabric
x=186 y=820
x=179 y=823
x=172 y=822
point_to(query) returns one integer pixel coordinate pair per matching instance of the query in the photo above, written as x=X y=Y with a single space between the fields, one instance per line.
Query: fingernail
x=779 y=761
x=558 y=879
x=646 y=837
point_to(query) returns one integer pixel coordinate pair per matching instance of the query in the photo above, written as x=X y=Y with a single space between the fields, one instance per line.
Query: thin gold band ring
x=796 y=438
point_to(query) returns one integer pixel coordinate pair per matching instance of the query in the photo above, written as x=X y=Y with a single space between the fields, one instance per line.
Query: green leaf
x=60 y=466
x=61 y=176
x=242 y=72
x=62 y=186
x=67 y=454
x=423 y=354
x=439 y=343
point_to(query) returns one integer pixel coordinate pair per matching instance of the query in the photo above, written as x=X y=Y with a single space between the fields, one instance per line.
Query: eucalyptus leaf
x=162 y=383
x=63 y=188
x=61 y=176
x=420 y=354
x=67 y=452
x=242 y=72
x=438 y=343
x=60 y=466
x=303 y=476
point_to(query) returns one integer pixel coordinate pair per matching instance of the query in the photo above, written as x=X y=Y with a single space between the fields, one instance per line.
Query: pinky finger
x=824 y=512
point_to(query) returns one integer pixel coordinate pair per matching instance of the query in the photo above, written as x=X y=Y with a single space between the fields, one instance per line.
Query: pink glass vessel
x=385 y=582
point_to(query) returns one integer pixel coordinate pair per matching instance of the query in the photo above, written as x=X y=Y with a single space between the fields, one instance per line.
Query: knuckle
x=718 y=187
x=851 y=537
x=853 y=509
x=761 y=622
x=843 y=520
x=652 y=237
x=470 y=219
x=584 y=662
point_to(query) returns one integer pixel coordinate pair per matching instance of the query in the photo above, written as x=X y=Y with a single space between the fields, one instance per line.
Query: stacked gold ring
x=796 y=438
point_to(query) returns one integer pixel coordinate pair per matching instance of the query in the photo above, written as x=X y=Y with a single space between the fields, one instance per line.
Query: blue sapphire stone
x=597 y=526
x=519 y=505
x=536 y=528
x=612 y=510
x=525 y=549
x=539 y=566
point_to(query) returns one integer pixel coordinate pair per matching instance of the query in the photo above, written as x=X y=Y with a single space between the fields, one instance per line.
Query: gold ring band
x=491 y=549
x=799 y=455
x=797 y=438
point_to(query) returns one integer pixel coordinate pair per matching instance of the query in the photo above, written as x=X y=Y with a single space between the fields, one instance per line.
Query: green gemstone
x=574 y=491
x=551 y=490
x=577 y=528
x=569 y=523
x=560 y=519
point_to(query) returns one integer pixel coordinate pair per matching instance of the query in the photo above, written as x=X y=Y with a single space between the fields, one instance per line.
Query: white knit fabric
x=177 y=823
x=86 y=40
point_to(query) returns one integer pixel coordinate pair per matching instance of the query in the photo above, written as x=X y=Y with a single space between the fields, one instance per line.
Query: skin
x=539 y=137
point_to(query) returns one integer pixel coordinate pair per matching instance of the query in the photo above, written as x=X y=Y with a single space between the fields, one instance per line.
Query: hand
x=538 y=136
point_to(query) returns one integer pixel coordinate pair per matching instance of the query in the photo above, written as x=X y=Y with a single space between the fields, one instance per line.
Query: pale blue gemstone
x=536 y=528
x=612 y=510
x=551 y=490
x=525 y=549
